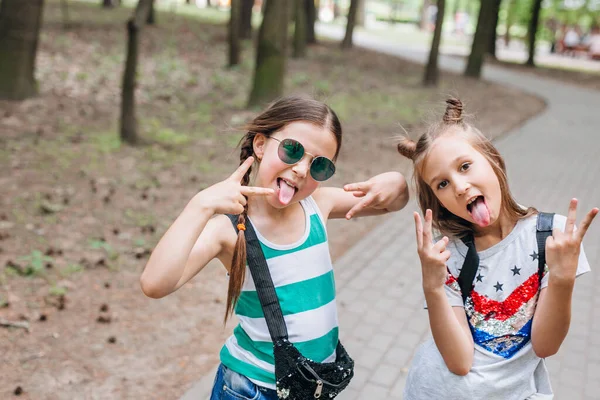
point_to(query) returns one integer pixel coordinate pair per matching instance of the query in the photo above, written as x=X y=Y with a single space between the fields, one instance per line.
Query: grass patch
x=71 y=269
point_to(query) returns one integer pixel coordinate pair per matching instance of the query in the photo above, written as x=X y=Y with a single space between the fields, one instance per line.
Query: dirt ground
x=80 y=212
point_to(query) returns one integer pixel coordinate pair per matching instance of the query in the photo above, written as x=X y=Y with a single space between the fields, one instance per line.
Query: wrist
x=435 y=291
x=199 y=205
x=557 y=280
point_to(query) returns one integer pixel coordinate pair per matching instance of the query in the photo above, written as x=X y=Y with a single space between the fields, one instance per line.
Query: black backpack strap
x=543 y=231
x=469 y=268
x=263 y=282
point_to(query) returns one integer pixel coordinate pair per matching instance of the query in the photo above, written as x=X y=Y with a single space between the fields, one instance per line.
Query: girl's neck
x=258 y=207
x=495 y=233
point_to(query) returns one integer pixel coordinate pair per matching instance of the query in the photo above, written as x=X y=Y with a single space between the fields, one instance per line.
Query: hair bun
x=407 y=147
x=454 y=109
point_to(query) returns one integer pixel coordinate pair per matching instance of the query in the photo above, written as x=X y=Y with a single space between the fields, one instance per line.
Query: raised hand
x=562 y=248
x=380 y=192
x=433 y=256
x=229 y=196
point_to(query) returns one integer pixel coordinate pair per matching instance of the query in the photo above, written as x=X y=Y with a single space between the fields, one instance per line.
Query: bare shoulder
x=326 y=198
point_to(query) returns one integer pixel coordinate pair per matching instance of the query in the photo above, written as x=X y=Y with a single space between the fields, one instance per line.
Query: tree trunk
x=347 y=42
x=509 y=20
x=134 y=27
x=108 y=3
x=311 y=18
x=300 y=29
x=246 y=19
x=234 y=32
x=271 y=49
x=151 y=17
x=533 y=27
x=480 y=40
x=494 y=26
x=431 y=70
x=20 y=23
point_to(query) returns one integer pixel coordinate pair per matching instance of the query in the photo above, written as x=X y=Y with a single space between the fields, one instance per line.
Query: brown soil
x=80 y=212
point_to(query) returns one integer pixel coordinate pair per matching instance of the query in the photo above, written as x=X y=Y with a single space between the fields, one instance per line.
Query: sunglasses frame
x=304 y=152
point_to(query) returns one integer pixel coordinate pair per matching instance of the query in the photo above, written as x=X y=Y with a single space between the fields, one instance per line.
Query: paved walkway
x=552 y=158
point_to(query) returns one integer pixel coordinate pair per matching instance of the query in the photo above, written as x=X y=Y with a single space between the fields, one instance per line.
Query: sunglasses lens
x=290 y=151
x=322 y=168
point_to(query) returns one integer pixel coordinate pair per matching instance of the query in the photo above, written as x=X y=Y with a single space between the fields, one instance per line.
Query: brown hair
x=453 y=124
x=279 y=114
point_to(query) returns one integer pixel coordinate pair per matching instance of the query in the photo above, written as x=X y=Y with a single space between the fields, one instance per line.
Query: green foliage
x=71 y=269
x=57 y=291
x=102 y=245
x=106 y=142
x=140 y=218
x=34 y=263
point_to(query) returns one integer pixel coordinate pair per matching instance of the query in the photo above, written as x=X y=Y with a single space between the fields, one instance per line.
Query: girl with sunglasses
x=293 y=145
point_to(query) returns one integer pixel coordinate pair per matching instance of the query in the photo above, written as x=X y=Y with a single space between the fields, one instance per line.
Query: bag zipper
x=319 y=389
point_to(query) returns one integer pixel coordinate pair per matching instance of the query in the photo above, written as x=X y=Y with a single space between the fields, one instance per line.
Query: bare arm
x=172 y=263
x=450 y=331
x=552 y=316
x=194 y=238
x=381 y=194
x=448 y=324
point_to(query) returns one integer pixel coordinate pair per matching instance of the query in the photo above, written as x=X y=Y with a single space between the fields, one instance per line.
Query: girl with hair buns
x=292 y=145
x=496 y=309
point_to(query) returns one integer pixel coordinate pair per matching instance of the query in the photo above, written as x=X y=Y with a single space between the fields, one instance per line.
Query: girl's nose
x=461 y=187
x=302 y=167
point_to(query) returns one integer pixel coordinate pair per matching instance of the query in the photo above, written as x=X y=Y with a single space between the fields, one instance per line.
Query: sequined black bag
x=471 y=264
x=298 y=378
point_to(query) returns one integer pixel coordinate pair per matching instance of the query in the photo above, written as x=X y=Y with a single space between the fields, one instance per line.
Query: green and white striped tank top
x=302 y=273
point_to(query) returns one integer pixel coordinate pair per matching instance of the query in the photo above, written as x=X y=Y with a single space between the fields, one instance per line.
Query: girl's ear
x=258 y=145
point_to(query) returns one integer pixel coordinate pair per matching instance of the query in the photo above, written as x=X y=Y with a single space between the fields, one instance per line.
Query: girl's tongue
x=480 y=212
x=286 y=192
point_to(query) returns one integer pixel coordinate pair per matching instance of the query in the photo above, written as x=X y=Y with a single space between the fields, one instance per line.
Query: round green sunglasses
x=291 y=151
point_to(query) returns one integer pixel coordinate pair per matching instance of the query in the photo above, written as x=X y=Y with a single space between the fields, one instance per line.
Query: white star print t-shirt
x=500 y=314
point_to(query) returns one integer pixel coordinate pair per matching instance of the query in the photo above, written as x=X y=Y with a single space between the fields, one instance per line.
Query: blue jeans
x=230 y=385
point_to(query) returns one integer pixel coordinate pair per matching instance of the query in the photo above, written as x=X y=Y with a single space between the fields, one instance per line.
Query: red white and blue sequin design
x=502 y=327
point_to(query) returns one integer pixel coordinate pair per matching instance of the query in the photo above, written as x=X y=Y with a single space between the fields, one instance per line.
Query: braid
x=237 y=272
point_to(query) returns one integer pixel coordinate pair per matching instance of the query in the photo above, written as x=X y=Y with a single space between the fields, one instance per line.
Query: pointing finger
x=255 y=191
x=571 y=216
x=359 y=186
x=419 y=230
x=365 y=202
x=585 y=224
x=242 y=169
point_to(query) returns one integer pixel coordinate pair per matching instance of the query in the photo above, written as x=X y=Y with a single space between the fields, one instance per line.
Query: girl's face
x=292 y=182
x=463 y=180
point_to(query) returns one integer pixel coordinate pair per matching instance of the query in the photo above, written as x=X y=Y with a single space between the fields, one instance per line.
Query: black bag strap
x=263 y=282
x=469 y=268
x=543 y=230
x=471 y=263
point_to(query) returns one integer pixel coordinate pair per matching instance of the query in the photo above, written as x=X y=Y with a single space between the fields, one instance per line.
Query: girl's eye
x=465 y=166
x=442 y=184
